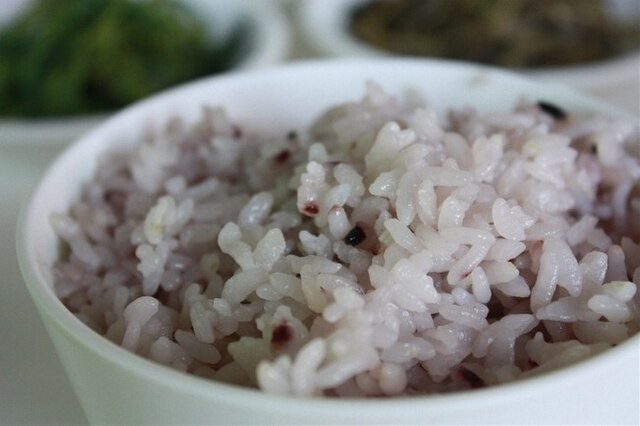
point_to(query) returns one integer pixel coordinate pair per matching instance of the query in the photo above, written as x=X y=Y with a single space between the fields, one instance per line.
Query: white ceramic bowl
x=324 y=25
x=268 y=44
x=115 y=386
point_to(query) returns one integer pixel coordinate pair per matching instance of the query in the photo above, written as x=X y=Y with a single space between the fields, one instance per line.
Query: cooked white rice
x=387 y=250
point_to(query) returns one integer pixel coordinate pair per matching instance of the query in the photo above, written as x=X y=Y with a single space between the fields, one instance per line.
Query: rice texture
x=386 y=250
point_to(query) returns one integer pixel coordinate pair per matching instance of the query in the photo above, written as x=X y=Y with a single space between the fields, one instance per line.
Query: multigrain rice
x=387 y=250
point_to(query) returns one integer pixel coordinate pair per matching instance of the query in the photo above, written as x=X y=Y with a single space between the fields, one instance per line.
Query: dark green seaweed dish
x=69 y=57
x=508 y=33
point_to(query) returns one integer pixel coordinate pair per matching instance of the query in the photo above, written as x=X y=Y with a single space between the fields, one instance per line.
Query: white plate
x=34 y=388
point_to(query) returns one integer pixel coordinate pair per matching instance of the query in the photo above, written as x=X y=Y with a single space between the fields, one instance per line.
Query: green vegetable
x=67 y=57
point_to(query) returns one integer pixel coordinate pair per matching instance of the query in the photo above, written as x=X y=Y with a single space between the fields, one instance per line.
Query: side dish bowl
x=115 y=386
x=325 y=26
x=268 y=44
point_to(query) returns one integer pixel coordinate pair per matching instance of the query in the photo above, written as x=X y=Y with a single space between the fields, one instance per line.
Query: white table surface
x=33 y=386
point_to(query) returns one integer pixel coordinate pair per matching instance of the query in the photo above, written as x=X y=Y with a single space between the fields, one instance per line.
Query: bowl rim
x=271 y=45
x=52 y=309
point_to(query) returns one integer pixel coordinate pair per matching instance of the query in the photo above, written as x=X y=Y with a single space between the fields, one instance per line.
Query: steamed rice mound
x=387 y=250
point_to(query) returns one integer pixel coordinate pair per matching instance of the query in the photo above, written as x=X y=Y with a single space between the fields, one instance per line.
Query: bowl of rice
x=363 y=241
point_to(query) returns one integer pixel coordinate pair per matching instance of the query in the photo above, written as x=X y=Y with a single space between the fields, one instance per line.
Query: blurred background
x=66 y=65
x=69 y=58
